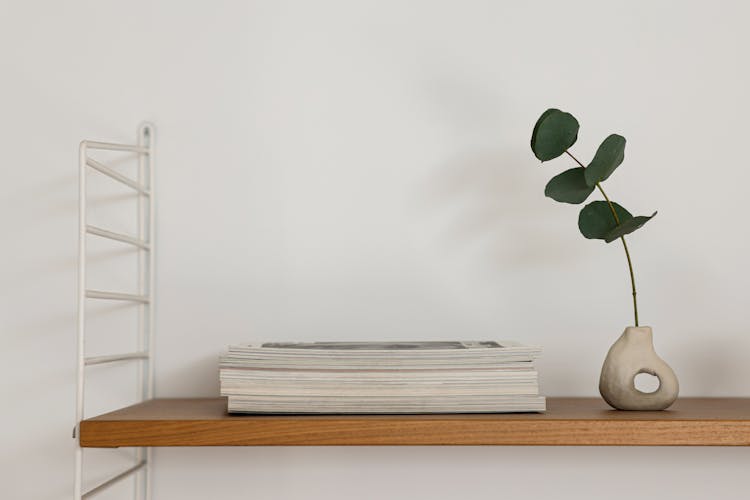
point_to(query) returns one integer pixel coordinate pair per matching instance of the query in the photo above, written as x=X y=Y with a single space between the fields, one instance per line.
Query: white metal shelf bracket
x=144 y=298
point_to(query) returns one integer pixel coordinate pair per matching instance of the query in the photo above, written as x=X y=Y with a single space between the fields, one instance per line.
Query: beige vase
x=633 y=353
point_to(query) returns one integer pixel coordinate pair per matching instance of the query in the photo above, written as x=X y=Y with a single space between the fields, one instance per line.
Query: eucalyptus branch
x=554 y=133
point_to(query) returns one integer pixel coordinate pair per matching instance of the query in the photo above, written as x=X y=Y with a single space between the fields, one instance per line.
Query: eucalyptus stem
x=622 y=238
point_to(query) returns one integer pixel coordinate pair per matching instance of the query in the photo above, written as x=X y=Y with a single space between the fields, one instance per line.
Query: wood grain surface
x=568 y=421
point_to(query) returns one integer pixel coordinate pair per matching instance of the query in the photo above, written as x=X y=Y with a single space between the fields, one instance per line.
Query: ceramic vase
x=633 y=353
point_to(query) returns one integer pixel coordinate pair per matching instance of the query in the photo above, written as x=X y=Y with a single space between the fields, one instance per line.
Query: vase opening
x=646 y=383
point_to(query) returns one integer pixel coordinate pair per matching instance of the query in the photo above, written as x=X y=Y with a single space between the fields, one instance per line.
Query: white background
x=361 y=170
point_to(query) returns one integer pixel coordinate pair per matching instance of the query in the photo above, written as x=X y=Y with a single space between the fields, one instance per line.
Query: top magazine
x=386 y=346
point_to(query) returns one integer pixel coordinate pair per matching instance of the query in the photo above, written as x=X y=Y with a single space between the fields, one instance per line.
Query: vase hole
x=646 y=383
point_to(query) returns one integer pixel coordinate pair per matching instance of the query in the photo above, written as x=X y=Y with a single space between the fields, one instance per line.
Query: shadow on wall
x=499 y=209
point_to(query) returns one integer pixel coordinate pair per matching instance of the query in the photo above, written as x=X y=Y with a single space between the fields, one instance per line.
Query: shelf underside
x=568 y=421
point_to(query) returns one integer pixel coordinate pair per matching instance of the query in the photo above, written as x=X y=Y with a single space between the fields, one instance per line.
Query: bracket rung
x=98 y=360
x=117 y=237
x=109 y=482
x=117 y=176
x=111 y=146
x=96 y=294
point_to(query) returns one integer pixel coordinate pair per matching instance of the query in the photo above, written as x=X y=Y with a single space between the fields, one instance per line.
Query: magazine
x=381 y=377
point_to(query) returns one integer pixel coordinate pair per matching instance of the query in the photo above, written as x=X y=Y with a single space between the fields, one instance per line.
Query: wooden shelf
x=568 y=421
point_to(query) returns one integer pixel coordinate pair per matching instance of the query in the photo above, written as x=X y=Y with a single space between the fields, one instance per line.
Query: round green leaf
x=596 y=220
x=627 y=227
x=608 y=157
x=569 y=187
x=554 y=132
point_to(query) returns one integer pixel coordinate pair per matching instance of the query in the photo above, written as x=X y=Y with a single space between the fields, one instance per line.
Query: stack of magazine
x=381 y=377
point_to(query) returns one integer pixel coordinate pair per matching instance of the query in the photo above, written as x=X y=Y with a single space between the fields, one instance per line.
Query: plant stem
x=622 y=238
x=627 y=252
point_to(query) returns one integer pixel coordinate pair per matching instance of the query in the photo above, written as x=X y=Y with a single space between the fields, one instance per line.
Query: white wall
x=361 y=170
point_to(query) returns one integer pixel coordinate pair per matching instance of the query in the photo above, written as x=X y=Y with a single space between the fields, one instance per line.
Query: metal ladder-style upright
x=143 y=241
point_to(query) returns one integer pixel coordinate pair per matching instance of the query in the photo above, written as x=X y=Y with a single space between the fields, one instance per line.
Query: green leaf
x=596 y=220
x=627 y=227
x=608 y=157
x=554 y=132
x=569 y=187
